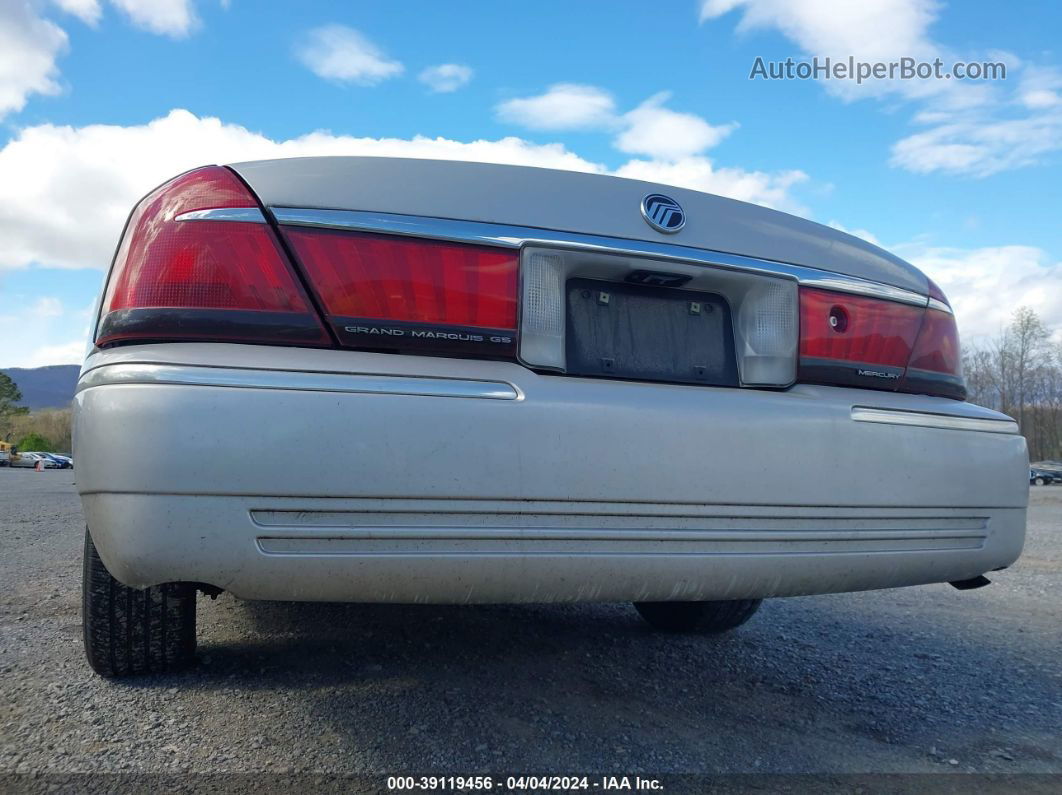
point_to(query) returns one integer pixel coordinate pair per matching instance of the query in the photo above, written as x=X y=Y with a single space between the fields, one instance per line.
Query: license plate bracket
x=648 y=333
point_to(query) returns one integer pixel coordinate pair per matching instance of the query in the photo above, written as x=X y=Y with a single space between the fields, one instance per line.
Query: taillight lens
x=384 y=292
x=854 y=340
x=936 y=363
x=860 y=341
x=195 y=279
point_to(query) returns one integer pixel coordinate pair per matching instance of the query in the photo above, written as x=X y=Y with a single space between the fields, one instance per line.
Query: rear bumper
x=389 y=478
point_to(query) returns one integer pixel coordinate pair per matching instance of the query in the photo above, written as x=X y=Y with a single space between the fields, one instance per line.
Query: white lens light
x=542 y=304
x=767 y=335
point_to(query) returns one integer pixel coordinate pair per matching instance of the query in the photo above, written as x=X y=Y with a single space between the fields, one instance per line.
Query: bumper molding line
x=246 y=378
x=929 y=420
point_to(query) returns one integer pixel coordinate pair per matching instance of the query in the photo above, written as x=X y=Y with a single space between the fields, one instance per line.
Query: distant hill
x=45 y=387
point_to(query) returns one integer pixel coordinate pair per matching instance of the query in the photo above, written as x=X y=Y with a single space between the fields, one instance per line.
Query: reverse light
x=767 y=335
x=178 y=279
x=543 y=324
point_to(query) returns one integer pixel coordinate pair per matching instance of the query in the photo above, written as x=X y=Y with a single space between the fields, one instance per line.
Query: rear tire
x=132 y=631
x=1041 y=482
x=707 y=617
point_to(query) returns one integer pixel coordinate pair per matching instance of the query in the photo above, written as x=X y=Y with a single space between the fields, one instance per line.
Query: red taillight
x=196 y=279
x=869 y=342
x=936 y=363
x=850 y=339
x=406 y=294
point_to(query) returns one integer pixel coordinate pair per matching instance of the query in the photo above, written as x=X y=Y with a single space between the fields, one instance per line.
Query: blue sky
x=102 y=99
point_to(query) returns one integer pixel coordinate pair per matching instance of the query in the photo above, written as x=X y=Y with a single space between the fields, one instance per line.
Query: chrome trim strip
x=247 y=378
x=940 y=306
x=518 y=236
x=245 y=214
x=929 y=420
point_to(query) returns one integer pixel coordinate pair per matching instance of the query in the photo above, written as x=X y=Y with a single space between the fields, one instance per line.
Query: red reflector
x=392 y=292
x=850 y=339
x=219 y=280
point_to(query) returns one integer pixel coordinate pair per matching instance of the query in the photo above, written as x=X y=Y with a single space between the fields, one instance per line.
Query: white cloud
x=877 y=30
x=1040 y=87
x=29 y=46
x=446 y=77
x=651 y=129
x=88 y=11
x=986 y=285
x=65 y=191
x=969 y=127
x=44 y=332
x=175 y=18
x=565 y=106
x=699 y=173
x=980 y=146
x=64 y=353
x=336 y=52
x=980 y=140
x=46 y=306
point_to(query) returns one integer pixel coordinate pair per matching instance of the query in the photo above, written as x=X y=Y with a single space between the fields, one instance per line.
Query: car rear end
x=371 y=379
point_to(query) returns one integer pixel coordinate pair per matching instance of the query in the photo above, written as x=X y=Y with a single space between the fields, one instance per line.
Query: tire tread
x=131 y=631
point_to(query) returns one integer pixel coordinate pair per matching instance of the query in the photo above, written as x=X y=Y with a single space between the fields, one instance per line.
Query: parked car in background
x=5 y=458
x=24 y=460
x=28 y=460
x=61 y=460
x=48 y=460
x=1043 y=477
x=530 y=386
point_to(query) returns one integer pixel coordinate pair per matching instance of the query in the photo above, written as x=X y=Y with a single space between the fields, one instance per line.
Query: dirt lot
x=919 y=680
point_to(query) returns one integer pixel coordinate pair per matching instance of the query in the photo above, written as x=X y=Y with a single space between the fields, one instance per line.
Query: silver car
x=30 y=461
x=386 y=380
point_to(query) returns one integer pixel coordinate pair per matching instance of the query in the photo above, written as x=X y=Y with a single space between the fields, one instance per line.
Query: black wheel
x=131 y=630
x=698 y=616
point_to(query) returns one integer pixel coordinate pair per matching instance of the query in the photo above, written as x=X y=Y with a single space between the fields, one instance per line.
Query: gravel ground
x=917 y=680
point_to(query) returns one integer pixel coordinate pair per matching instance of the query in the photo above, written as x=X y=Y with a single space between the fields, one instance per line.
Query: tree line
x=47 y=430
x=1019 y=373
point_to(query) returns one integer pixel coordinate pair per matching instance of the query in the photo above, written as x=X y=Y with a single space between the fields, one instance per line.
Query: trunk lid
x=570 y=202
